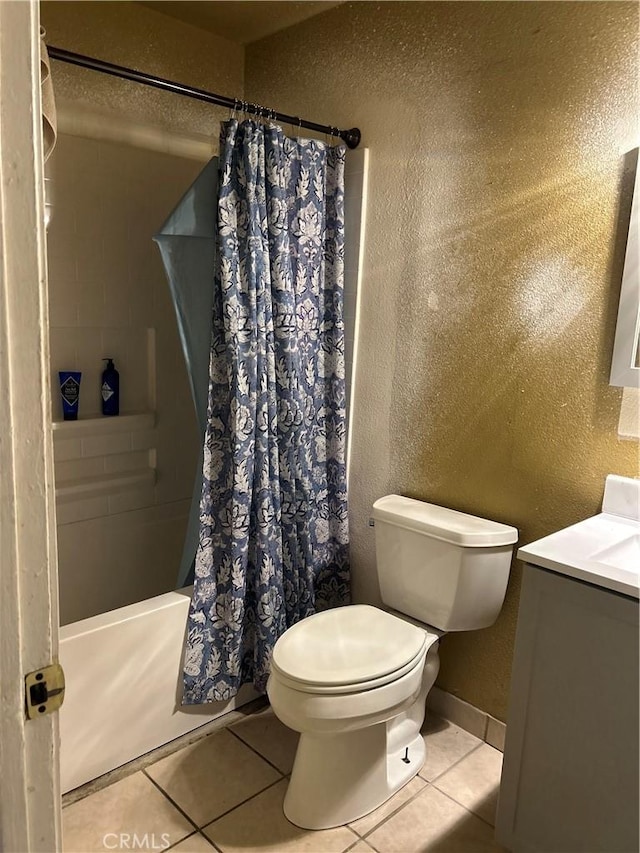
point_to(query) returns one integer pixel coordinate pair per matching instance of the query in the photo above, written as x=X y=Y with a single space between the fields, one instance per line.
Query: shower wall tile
x=144 y=439
x=68 y=448
x=135 y=386
x=63 y=309
x=104 y=445
x=139 y=297
x=75 y=469
x=110 y=561
x=108 y=296
x=115 y=343
x=120 y=462
x=130 y=500
x=69 y=513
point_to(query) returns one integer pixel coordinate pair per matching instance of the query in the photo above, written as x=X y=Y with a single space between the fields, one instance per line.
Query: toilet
x=354 y=680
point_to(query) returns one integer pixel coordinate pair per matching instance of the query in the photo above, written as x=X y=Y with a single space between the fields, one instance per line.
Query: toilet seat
x=347 y=650
x=345 y=689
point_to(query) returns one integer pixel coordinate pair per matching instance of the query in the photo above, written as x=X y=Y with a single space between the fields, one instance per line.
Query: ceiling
x=242 y=21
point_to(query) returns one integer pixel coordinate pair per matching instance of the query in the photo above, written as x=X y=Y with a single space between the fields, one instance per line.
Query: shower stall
x=124 y=484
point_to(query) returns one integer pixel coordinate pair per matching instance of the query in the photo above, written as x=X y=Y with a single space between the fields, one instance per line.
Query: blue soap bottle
x=110 y=389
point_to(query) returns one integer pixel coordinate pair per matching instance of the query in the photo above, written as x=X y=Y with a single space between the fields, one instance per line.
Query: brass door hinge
x=44 y=690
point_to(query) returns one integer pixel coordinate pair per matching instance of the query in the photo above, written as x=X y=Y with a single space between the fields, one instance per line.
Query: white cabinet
x=570 y=774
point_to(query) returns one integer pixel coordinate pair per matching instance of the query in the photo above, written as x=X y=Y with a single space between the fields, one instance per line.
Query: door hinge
x=44 y=690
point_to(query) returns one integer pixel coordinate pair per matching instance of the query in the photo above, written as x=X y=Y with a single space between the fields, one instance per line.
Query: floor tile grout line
x=259 y=754
x=475 y=814
x=237 y=806
x=172 y=846
x=444 y=772
x=455 y=764
x=428 y=783
x=372 y=846
x=209 y=841
x=222 y=814
x=355 y=841
x=172 y=801
x=393 y=813
x=358 y=840
x=191 y=834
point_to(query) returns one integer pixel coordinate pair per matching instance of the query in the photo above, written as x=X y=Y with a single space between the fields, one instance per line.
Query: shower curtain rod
x=350 y=137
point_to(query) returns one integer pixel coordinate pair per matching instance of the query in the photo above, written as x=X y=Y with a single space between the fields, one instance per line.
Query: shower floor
x=224 y=792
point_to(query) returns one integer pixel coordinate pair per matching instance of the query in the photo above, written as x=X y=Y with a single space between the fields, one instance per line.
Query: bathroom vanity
x=570 y=774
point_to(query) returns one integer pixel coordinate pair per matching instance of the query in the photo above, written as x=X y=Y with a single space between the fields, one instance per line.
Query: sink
x=603 y=550
x=621 y=555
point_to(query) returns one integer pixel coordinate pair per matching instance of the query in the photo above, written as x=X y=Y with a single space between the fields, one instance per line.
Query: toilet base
x=339 y=778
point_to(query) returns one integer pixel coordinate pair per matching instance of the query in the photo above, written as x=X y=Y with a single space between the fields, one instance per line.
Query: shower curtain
x=273 y=545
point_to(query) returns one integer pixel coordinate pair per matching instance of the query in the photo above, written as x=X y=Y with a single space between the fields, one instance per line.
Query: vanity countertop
x=603 y=550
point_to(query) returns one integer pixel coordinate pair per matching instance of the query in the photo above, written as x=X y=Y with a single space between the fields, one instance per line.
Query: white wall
x=124 y=486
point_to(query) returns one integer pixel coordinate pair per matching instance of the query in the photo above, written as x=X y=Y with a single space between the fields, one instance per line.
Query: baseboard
x=467 y=716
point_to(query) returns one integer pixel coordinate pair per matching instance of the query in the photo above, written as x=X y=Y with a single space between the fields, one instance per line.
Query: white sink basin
x=603 y=550
x=621 y=555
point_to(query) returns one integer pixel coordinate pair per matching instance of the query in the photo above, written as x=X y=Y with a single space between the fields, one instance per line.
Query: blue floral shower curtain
x=273 y=515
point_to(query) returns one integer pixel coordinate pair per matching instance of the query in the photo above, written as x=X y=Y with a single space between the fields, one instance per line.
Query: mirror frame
x=626 y=347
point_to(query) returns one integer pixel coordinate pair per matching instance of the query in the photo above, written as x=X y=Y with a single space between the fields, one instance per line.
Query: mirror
x=625 y=363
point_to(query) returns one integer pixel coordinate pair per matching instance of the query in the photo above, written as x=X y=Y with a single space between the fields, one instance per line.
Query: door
x=29 y=777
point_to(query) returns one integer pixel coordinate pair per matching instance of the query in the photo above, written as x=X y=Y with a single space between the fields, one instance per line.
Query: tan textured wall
x=492 y=263
x=132 y=35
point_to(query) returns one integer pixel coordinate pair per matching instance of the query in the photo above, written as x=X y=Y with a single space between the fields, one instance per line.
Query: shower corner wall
x=123 y=484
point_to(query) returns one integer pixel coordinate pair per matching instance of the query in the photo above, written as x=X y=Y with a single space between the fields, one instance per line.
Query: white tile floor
x=225 y=791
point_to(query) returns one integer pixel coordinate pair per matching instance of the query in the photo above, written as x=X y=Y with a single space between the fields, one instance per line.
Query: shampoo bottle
x=110 y=389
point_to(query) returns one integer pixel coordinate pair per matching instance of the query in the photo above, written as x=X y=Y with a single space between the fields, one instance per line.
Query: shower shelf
x=104 y=466
x=99 y=425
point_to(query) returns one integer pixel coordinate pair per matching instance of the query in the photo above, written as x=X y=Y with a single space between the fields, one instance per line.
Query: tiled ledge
x=104 y=484
x=104 y=465
x=132 y=422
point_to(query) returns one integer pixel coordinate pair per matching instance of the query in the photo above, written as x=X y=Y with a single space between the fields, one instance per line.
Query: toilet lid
x=347 y=645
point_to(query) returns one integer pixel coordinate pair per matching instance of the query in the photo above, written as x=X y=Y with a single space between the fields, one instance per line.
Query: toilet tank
x=442 y=567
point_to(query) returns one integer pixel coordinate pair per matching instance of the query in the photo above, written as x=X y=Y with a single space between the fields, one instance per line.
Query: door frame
x=30 y=806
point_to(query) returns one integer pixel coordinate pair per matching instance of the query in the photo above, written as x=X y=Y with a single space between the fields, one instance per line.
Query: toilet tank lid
x=439 y=522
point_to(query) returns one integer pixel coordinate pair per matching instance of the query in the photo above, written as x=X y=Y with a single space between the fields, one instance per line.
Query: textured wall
x=492 y=264
x=129 y=34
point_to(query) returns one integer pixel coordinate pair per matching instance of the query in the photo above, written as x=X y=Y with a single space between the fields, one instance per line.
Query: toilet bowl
x=359 y=720
x=354 y=680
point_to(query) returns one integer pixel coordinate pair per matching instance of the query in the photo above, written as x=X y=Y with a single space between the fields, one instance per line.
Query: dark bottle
x=110 y=389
